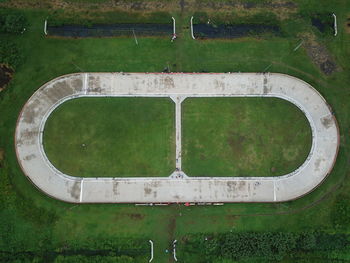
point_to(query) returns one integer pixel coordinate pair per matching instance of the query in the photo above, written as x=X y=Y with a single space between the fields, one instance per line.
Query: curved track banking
x=36 y=166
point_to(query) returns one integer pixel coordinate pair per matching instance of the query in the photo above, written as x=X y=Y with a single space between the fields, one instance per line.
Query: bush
x=9 y=54
x=271 y=246
x=90 y=259
x=13 y=22
x=340 y=214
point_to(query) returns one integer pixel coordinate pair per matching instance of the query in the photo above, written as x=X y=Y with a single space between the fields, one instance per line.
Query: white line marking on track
x=85 y=83
x=81 y=190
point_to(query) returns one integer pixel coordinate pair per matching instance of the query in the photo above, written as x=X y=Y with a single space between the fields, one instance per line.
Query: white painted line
x=151 y=242
x=335 y=25
x=178 y=133
x=174 y=26
x=81 y=190
x=85 y=86
x=274 y=191
x=192 y=35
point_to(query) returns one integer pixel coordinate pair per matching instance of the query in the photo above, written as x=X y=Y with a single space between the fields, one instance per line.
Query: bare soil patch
x=319 y=54
x=282 y=8
x=136 y=216
x=347 y=25
x=5 y=76
x=236 y=142
x=144 y=6
x=2 y=156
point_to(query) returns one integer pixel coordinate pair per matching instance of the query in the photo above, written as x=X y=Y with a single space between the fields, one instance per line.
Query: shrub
x=271 y=246
x=13 y=22
x=340 y=214
x=9 y=54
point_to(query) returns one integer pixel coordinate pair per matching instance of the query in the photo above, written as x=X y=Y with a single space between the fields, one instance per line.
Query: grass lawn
x=32 y=222
x=112 y=137
x=243 y=137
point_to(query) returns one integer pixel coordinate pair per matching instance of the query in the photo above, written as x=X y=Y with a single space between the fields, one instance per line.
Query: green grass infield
x=243 y=137
x=112 y=137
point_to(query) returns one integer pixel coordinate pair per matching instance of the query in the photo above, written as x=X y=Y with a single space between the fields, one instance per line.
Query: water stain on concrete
x=94 y=84
x=115 y=188
x=75 y=190
x=266 y=88
x=241 y=185
x=231 y=186
x=29 y=157
x=147 y=191
x=327 y=122
x=167 y=83
x=29 y=114
x=29 y=136
x=317 y=164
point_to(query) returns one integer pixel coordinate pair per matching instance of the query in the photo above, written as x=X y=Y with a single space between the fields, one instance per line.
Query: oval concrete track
x=178 y=188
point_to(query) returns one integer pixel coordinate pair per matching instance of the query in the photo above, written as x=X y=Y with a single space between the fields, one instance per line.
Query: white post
x=151 y=242
x=174 y=33
x=174 y=249
x=335 y=25
x=192 y=28
x=45 y=27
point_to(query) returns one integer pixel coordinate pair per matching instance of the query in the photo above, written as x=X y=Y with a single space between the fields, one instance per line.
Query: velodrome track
x=178 y=187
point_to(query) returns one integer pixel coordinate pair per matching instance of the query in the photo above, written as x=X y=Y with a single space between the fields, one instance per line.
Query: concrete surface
x=178 y=187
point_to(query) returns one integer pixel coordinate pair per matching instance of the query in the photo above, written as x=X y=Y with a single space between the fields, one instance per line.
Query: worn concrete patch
x=74 y=191
x=327 y=121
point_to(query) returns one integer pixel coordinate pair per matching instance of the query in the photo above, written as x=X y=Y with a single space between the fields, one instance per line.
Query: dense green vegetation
x=33 y=223
x=12 y=22
x=105 y=250
x=10 y=54
x=243 y=137
x=265 y=246
x=62 y=17
x=112 y=137
x=235 y=18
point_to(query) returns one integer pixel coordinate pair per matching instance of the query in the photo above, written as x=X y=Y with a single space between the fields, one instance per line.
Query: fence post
x=192 y=28
x=45 y=27
x=335 y=25
x=151 y=242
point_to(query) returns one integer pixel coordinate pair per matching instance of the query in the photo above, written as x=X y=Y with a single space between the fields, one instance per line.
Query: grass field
x=243 y=137
x=32 y=222
x=112 y=137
